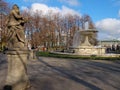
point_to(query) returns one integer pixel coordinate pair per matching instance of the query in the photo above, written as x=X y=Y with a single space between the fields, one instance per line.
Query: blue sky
x=104 y=13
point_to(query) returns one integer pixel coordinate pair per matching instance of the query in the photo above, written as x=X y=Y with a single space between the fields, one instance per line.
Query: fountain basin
x=88 y=50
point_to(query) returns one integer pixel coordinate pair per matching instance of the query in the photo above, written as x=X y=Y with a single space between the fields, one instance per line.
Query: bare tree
x=4 y=10
x=54 y=30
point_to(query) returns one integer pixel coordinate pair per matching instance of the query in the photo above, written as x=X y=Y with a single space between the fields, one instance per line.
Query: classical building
x=112 y=46
x=106 y=43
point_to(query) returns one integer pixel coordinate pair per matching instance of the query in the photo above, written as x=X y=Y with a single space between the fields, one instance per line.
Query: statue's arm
x=16 y=15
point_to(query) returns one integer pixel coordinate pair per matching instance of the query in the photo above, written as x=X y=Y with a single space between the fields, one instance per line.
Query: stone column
x=17 y=77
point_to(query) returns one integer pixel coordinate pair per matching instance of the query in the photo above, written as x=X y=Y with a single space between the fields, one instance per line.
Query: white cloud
x=106 y=36
x=65 y=10
x=109 y=26
x=71 y=2
x=45 y=9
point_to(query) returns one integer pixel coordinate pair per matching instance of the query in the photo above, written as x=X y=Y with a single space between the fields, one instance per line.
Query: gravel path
x=69 y=74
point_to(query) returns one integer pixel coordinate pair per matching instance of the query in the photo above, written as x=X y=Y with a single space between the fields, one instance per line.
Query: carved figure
x=15 y=23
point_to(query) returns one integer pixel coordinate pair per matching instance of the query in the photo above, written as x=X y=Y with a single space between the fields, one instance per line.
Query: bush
x=92 y=57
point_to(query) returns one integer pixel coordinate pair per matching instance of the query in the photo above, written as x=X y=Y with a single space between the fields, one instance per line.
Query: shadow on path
x=72 y=77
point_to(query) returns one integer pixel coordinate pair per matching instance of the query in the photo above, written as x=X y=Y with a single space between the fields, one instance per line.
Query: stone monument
x=17 y=54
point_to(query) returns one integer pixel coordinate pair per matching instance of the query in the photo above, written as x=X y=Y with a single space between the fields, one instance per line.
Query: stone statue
x=15 y=23
x=17 y=54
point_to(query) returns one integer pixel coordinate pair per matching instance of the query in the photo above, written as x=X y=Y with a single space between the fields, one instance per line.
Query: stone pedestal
x=17 y=77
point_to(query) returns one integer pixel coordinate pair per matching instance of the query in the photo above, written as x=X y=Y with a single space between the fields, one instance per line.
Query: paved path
x=69 y=74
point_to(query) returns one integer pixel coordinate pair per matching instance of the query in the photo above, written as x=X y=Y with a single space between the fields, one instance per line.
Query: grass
x=92 y=57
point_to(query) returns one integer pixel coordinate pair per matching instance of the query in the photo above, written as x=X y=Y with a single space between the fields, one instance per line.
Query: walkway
x=69 y=74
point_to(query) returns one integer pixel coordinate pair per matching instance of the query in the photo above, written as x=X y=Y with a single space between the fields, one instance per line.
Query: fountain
x=85 y=43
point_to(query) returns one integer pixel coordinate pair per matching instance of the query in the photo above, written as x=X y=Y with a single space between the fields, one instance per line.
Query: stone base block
x=17 y=71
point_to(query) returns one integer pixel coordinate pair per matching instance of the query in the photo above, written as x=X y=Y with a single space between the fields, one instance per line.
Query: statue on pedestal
x=17 y=54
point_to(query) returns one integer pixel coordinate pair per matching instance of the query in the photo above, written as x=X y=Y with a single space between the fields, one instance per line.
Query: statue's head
x=15 y=6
